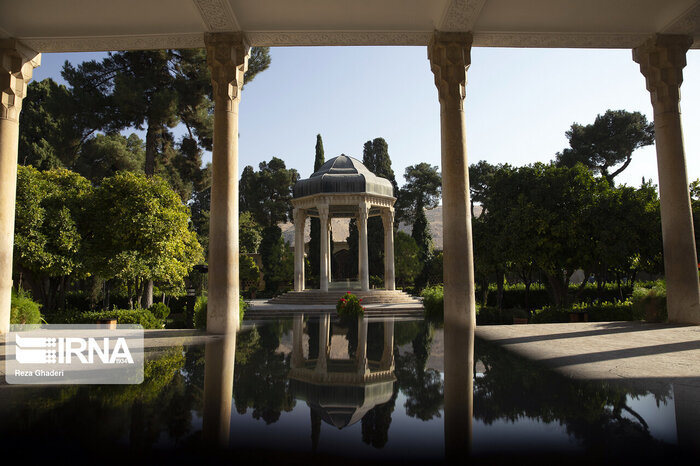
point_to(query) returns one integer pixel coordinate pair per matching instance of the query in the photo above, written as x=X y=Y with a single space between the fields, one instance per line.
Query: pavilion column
x=330 y=252
x=364 y=256
x=299 y=223
x=449 y=55
x=661 y=60
x=17 y=63
x=227 y=58
x=388 y=221
x=323 y=219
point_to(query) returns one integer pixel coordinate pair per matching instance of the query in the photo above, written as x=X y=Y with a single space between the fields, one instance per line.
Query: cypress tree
x=315 y=241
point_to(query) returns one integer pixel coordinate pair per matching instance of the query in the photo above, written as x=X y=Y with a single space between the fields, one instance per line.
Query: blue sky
x=519 y=104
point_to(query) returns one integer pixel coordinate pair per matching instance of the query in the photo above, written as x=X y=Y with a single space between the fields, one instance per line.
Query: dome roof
x=343 y=174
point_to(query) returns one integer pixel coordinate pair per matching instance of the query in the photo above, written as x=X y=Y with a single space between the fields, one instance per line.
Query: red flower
x=347 y=292
x=360 y=299
x=342 y=299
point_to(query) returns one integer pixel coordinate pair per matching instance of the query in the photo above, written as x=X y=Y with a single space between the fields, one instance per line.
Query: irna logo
x=66 y=350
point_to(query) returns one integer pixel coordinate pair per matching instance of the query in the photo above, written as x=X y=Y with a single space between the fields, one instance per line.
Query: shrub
x=142 y=317
x=24 y=310
x=349 y=306
x=200 y=311
x=376 y=281
x=159 y=310
x=604 y=312
x=650 y=302
x=433 y=302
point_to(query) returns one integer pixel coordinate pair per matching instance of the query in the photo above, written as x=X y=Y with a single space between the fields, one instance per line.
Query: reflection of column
x=219 y=357
x=661 y=60
x=388 y=221
x=449 y=55
x=362 y=367
x=387 y=362
x=686 y=398
x=227 y=58
x=323 y=219
x=324 y=330
x=297 y=341
x=299 y=221
x=364 y=256
x=17 y=63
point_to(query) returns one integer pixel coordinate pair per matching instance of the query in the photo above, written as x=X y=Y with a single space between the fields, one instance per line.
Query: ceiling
x=98 y=25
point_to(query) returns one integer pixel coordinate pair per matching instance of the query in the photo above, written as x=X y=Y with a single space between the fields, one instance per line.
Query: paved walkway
x=626 y=351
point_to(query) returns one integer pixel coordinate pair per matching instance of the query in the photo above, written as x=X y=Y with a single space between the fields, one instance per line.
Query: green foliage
x=350 y=306
x=606 y=311
x=141 y=317
x=267 y=193
x=406 y=262
x=141 y=233
x=650 y=302
x=24 y=310
x=433 y=302
x=249 y=233
x=248 y=270
x=421 y=191
x=106 y=154
x=277 y=259
x=376 y=281
x=609 y=141
x=159 y=310
x=200 y=311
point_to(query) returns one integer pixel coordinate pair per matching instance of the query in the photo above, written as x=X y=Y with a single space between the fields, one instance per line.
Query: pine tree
x=315 y=242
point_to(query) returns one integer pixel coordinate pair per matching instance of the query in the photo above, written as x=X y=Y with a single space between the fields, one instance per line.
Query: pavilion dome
x=343 y=174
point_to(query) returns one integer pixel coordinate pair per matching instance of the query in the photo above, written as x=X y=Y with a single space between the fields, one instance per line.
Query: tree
x=106 y=154
x=407 y=264
x=277 y=259
x=249 y=233
x=606 y=143
x=480 y=175
x=141 y=233
x=267 y=194
x=49 y=230
x=375 y=156
x=315 y=240
x=421 y=191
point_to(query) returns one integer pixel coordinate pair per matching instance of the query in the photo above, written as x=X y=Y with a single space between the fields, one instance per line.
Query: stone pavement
x=606 y=350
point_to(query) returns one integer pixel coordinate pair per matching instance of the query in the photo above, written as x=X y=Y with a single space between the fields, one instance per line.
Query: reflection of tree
x=260 y=379
x=375 y=424
x=423 y=387
x=512 y=388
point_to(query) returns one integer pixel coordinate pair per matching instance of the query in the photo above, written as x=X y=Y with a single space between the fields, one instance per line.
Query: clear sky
x=519 y=104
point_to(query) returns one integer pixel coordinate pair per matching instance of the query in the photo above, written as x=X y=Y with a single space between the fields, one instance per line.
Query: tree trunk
x=151 y=150
x=500 y=276
x=148 y=294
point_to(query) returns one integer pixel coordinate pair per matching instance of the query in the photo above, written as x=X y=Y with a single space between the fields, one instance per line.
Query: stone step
x=314 y=297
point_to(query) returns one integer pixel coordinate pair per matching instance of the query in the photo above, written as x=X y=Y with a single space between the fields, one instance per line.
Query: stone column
x=388 y=221
x=364 y=256
x=330 y=252
x=227 y=58
x=324 y=330
x=17 y=63
x=299 y=223
x=449 y=55
x=661 y=60
x=362 y=367
x=323 y=220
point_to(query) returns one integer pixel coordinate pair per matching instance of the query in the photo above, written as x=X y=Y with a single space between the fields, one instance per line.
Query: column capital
x=17 y=63
x=363 y=211
x=450 y=56
x=323 y=210
x=299 y=215
x=661 y=60
x=388 y=217
x=227 y=59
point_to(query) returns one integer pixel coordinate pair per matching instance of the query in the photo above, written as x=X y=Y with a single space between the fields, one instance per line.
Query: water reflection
x=370 y=389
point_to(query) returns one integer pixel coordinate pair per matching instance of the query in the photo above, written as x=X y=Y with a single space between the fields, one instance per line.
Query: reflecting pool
x=316 y=389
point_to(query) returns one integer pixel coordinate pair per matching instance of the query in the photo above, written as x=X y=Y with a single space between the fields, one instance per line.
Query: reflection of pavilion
x=342 y=391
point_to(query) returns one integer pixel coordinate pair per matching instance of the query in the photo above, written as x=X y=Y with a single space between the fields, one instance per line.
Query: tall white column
x=661 y=60
x=219 y=359
x=227 y=58
x=17 y=63
x=297 y=341
x=323 y=220
x=387 y=362
x=388 y=222
x=330 y=252
x=364 y=256
x=449 y=55
x=299 y=223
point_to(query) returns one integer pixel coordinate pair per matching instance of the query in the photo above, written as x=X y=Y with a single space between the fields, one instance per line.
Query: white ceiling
x=95 y=25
